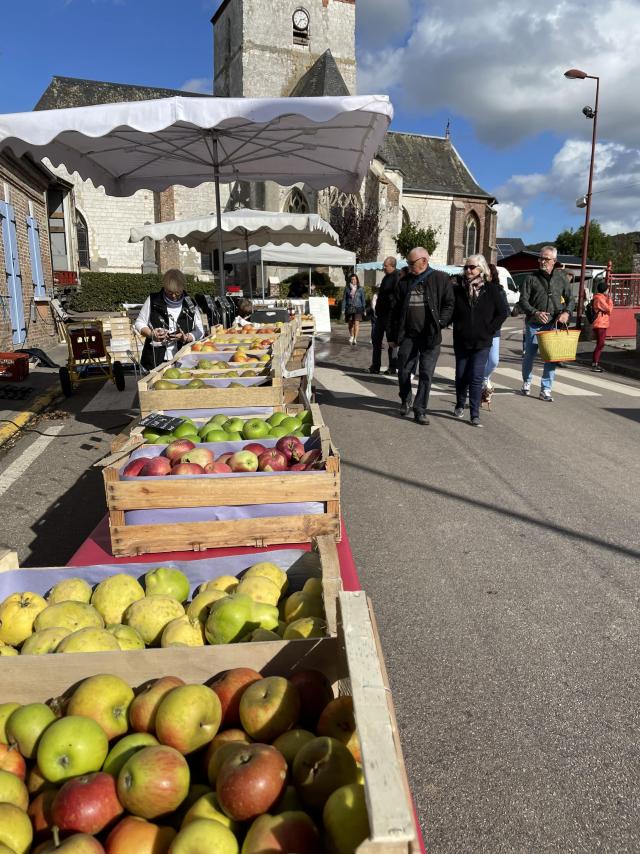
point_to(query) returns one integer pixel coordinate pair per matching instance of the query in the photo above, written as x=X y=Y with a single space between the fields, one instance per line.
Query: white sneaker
x=351 y=339
x=526 y=389
x=545 y=395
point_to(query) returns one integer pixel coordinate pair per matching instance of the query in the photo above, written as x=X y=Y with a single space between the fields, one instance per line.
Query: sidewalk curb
x=39 y=404
x=612 y=367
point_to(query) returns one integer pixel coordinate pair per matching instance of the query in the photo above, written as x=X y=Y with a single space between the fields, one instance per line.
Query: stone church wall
x=425 y=210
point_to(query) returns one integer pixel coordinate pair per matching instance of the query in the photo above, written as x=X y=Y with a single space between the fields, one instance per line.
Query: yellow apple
x=44 y=641
x=127 y=636
x=270 y=571
x=113 y=596
x=15 y=829
x=69 y=615
x=88 y=640
x=226 y=583
x=18 y=613
x=183 y=631
x=260 y=589
x=301 y=604
x=150 y=615
x=201 y=604
x=306 y=627
x=74 y=589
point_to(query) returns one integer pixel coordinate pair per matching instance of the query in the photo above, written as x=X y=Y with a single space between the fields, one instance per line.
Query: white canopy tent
x=154 y=144
x=238 y=226
x=304 y=255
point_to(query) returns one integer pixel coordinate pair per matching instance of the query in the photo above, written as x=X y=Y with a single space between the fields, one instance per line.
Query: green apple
x=345 y=818
x=255 y=428
x=74 y=589
x=305 y=430
x=13 y=790
x=289 y=743
x=278 y=432
x=173 y=374
x=150 y=436
x=71 y=746
x=201 y=604
x=302 y=604
x=150 y=615
x=233 y=425
x=167 y=581
x=313 y=586
x=276 y=419
x=69 y=615
x=321 y=766
x=16 y=831
x=220 y=419
x=215 y=435
x=205 y=835
x=106 y=699
x=88 y=640
x=305 y=417
x=45 y=641
x=113 y=596
x=124 y=749
x=188 y=717
x=208 y=807
x=166 y=440
x=234 y=437
x=291 y=423
x=261 y=636
x=306 y=627
x=230 y=619
x=127 y=636
x=265 y=615
x=6 y=710
x=26 y=726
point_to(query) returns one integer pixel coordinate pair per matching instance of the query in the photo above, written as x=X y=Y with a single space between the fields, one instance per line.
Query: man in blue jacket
x=424 y=307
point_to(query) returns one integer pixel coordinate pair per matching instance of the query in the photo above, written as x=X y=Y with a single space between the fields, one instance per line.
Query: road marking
x=17 y=468
x=559 y=387
x=603 y=384
x=335 y=380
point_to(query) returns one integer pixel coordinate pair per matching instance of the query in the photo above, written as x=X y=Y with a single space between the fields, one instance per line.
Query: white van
x=510 y=287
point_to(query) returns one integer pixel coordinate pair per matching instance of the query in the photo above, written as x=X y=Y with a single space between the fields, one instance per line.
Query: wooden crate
x=352 y=661
x=223 y=491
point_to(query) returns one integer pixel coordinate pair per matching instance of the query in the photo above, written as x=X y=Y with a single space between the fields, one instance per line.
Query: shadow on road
x=633 y=414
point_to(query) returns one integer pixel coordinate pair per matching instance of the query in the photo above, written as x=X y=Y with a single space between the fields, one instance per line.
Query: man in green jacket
x=545 y=299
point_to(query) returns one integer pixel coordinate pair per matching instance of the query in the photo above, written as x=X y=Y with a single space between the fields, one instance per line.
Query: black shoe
x=597 y=369
x=374 y=370
x=390 y=372
x=421 y=418
x=475 y=421
x=405 y=407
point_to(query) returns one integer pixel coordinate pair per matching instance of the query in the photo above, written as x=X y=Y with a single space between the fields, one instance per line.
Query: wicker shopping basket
x=558 y=345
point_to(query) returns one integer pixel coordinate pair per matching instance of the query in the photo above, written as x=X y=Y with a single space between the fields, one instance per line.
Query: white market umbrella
x=322 y=255
x=240 y=226
x=154 y=144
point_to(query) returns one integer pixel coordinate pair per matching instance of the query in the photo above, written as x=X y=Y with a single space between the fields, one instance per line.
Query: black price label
x=161 y=422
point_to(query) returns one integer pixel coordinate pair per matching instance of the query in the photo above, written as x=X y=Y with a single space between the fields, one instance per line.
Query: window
x=55 y=204
x=82 y=233
x=206 y=262
x=471 y=234
x=297 y=202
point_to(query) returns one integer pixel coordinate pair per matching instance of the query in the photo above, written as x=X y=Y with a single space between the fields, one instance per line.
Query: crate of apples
x=243 y=763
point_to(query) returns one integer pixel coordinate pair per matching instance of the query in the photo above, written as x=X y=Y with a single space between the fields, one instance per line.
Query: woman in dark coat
x=479 y=311
x=353 y=307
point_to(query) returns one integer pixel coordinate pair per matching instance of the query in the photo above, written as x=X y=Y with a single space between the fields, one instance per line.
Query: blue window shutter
x=33 y=230
x=12 y=267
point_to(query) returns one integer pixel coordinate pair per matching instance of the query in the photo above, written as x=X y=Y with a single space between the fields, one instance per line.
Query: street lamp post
x=576 y=74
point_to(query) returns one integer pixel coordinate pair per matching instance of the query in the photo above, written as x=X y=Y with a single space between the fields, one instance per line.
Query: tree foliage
x=412 y=235
x=569 y=242
x=358 y=227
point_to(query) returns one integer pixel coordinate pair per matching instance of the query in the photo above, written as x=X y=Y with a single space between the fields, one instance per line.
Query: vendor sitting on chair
x=167 y=321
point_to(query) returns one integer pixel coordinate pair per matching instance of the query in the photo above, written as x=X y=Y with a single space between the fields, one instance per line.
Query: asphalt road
x=503 y=568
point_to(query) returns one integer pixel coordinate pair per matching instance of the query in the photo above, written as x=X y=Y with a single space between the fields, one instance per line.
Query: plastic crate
x=14 y=367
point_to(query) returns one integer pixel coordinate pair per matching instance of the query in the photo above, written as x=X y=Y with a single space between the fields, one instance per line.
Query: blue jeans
x=470 y=369
x=530 y=352
x=494 y=358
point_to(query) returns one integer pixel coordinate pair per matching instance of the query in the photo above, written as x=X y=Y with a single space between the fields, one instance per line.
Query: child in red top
x=603 y=306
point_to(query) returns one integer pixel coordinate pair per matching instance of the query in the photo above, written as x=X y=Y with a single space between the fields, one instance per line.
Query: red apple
x=157 y=467
x=187 y=468
x=250 y=781
x=39 y=812
x=291 y=447
x=143 y=708
x=133 y=467
x=226 y=736
x=224 y=458
x=338 y=721
x=273 y=460
x=86 y=804
x=315 y=693
x=177 y=448
x=255 y=448
x=200 y=456
x=12 y=760
x=133 y=835
x=286 y=833
x=154 y=782
x=79 y=843
x=217 y=760
x=298 y=467
x=230 y=685
x=269 y=707
x=243 y=461
x=217 y=468
x=311 y=457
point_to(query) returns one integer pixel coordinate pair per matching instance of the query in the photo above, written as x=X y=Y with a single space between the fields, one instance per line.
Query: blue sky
x=494 y=72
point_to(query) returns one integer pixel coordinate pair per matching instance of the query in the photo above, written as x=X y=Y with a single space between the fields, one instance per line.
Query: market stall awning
x=306 y=255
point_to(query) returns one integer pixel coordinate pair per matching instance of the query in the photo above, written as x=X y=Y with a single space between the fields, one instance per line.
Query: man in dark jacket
x=383 y=309
x=424 y=307
x=546 y=299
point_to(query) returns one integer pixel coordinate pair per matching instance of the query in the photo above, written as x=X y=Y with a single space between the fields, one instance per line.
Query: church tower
x=262 y=48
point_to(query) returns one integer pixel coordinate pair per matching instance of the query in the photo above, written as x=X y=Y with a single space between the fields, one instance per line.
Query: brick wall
x=20 y=183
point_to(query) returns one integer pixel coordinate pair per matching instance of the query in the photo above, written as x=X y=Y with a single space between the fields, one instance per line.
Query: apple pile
x=225 y=428
x=242 y=763
x=184 y=457
x=122 y=614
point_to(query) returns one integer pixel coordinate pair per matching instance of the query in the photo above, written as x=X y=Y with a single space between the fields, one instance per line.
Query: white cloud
x=503 y=68
x=616 y=184
x=380 y=22
x=202 y=85
x=511 y=219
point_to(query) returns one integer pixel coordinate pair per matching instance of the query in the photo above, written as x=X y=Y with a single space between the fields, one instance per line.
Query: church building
x=290 y=48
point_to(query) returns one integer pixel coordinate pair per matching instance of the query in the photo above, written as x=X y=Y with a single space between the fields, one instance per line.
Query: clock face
x=300 y=19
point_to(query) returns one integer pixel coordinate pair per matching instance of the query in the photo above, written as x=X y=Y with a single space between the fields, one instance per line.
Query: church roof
x=65 y=92
x=323 y=78
x=430 y=164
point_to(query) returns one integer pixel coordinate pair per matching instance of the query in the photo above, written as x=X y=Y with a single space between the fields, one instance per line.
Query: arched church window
x=471 y=235
x=82 y=233
x=300 y=27
x=297 y=202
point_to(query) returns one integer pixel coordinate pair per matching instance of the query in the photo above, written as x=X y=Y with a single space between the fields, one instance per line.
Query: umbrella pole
x=216 y=178
x=262 y=274
x=246 y=246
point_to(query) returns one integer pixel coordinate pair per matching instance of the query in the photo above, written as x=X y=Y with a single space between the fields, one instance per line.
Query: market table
x=96 y=549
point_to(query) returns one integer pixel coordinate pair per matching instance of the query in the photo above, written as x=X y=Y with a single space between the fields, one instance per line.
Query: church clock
x=301 y=20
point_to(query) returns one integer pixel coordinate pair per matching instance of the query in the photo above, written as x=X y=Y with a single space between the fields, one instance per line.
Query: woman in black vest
x=167 y=321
